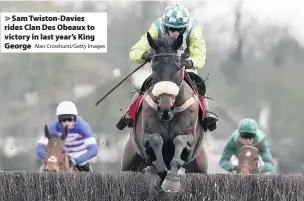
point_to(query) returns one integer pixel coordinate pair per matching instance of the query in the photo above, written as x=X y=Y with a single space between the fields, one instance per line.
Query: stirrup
x=210 y=121
x=123 y=123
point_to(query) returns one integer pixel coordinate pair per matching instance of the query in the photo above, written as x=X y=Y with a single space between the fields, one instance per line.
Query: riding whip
x=117 y=85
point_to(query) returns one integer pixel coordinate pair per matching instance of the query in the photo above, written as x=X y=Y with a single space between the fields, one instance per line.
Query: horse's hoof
x=171 y=186
x=150 y=170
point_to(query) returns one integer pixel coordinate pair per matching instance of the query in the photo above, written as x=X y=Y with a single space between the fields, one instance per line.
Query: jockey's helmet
x=176 y=16
x=66 y=108
x=248 y=127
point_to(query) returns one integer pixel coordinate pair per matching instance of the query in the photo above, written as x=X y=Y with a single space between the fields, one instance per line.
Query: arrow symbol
x=7 y=18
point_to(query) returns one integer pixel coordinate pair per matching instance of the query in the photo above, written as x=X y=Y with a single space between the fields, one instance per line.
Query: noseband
x=61 y=165
x=254 y=171
x=166 y=55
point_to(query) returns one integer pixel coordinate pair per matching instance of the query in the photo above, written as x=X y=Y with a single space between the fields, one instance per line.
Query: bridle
x=166 y=54
x=62 y=163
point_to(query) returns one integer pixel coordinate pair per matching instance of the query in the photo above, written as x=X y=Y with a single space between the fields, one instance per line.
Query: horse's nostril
x=52 y=170
x=172 y=107
x=158 y=108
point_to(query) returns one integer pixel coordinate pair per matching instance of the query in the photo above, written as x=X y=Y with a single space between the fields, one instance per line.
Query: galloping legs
x=172 y=181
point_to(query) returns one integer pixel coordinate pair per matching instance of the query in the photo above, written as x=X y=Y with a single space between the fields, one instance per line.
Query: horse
x=56 y=158
x=167 y=133
x=249 y=159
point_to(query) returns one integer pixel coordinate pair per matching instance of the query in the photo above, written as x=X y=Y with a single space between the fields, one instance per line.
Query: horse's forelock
x=55 y=136
x=164 y=42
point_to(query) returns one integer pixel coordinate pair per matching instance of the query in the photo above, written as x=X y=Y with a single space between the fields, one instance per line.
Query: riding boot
x=126 y=120
x=85 y=168
x=210 y=119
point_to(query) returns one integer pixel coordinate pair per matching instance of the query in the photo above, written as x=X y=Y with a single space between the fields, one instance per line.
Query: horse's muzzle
x=51 y=170
x=46 y=170
x=166 y=113
x=166 y=107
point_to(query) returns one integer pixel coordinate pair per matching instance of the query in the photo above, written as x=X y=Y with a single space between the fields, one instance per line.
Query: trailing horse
x=249 y=159
x=56 y=158
x=167 y=134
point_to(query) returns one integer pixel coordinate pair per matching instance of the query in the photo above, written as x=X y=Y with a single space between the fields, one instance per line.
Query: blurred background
x=254 y=68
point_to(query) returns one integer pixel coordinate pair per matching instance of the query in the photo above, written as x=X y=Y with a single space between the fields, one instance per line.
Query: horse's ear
x=47 y=132
x=178 y=42
x=151 y=41
x=65 y=133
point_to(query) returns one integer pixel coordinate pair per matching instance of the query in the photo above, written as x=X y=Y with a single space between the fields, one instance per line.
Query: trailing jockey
x=80 y=144
x=175 y=20
x=247 y=134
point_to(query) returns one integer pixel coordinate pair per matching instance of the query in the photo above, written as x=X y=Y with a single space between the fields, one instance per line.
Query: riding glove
x=187 y=63
x=148 y=55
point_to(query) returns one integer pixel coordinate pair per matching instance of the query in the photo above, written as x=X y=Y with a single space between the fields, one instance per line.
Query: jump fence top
x=127 y=186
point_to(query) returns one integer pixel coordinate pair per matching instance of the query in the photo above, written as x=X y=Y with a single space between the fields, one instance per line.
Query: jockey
x=175 y=20
x=246 y=134
x=80 y=144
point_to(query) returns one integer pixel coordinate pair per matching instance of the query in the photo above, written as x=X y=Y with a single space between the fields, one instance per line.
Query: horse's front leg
x=155 y=141
x=172 y=181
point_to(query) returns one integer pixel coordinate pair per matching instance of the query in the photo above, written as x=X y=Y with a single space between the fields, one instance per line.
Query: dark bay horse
x=167 y=136
x=56 y=158
x=249 y=159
